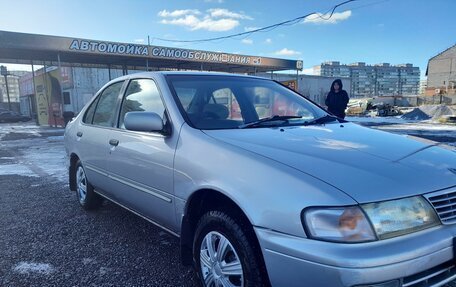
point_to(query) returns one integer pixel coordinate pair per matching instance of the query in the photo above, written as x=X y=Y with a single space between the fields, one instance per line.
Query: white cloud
x=194 y=23
x=217 y=25
x=213 y=20
x=247 y=41
x=178 y=13
x=189 y=21
x=139 y=41
x=320 y=18
x=268 y=41
x=219 y=12
x=287 y=52
x=214 y=1
x=248 y=29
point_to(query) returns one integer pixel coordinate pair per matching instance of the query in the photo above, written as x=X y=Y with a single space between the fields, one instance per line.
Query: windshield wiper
x=322 y=120
x=268 y=119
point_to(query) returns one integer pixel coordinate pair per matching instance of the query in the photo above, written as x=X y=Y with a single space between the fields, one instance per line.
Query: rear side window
x=104 y=114
x=88 y=117
x=142 y=95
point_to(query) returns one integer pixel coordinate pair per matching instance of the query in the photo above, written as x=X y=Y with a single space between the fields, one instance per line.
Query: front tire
x=87 y=197
x=223 y=253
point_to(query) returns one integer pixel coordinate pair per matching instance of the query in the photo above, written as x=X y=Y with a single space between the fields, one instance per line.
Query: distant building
x=374 y=80
x=13 y=86
x=441 y=73
x=423 y=86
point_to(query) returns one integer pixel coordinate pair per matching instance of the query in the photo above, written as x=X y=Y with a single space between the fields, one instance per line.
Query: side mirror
x=143 y=122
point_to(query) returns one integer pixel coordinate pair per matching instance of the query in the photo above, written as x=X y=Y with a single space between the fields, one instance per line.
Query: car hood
x=369 y=165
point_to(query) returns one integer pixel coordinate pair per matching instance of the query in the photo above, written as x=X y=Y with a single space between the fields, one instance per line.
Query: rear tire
x=87 y=197
x=223 y=253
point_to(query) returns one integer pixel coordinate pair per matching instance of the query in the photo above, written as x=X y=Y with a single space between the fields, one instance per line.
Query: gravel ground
x=46 y=239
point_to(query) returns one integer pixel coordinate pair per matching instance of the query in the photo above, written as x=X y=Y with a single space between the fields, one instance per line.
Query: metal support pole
x=46 y=91
x=109 y=71
x=61 y=87
x=7 y=92
x=33 y=77
x=272 y=75
x=297 y=80
x=34 y=91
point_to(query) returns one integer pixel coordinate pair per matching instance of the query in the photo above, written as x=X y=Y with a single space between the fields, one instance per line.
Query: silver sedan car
x=265 y=188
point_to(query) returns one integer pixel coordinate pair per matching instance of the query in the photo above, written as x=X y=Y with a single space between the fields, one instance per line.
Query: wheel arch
x=203 y=201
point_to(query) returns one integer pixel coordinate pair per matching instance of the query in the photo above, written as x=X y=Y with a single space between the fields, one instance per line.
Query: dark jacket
x=337 y=102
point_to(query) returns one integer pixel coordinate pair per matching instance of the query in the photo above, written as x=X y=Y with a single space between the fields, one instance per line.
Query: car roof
x=189 y=73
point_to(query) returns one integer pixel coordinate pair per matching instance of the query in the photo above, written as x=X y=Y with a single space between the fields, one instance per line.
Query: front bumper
x=406 y=261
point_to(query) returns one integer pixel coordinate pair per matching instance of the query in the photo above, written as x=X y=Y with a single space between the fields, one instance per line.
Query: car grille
x=445 y=206
x=437 y=276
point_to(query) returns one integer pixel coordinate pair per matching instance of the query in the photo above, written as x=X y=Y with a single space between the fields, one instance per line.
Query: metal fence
x=436 y=100
x=413 y=101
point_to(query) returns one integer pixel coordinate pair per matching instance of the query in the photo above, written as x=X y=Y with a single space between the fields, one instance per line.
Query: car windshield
x=227 y=102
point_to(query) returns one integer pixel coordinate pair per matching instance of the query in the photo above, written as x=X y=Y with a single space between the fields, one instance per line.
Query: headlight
x=372 y=221
x=344 y=224
x=397 y=217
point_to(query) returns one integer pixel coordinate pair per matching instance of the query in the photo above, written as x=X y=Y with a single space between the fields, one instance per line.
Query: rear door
x=140 y=164
x=93 y=134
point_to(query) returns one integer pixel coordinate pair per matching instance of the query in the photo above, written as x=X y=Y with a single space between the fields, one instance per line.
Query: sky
x=371 y=31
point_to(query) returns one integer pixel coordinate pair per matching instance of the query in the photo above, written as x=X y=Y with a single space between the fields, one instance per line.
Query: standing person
x=337 y=99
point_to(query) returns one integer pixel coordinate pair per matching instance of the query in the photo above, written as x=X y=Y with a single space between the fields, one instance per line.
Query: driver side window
x=142 y=95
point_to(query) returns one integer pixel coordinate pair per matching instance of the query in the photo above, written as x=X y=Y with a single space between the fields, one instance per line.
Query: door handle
x=79 y=134
x=113 y=142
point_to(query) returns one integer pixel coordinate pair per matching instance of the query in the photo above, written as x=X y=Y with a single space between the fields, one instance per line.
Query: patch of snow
x=28 y=268
x=16 y=169
x=38 y=156
x=377 y=120
x=50 y=158
x=55 y=138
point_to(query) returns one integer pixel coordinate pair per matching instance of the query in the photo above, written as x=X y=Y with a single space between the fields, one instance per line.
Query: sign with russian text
x=12 y=41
